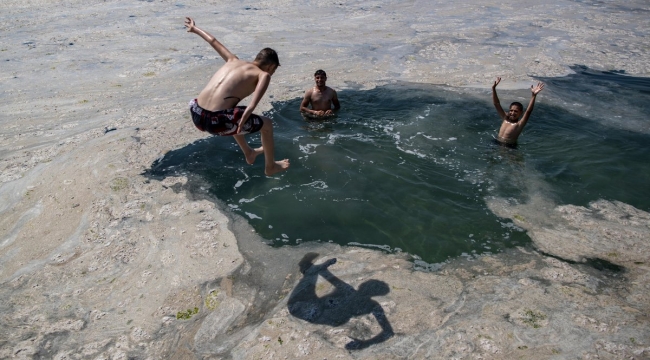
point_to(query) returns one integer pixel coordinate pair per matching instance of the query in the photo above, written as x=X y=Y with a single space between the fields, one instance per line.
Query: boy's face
x=514 y=113
x=320 y=80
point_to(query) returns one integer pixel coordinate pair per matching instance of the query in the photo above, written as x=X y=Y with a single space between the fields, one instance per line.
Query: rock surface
x=97 y=261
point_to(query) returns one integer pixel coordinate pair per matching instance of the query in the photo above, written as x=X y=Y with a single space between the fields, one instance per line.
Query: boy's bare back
x=234 y=81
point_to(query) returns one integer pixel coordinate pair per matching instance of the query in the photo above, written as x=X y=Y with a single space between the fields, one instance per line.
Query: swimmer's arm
x=495 y=99
x=262 y=84
x=304 y=105
x=335 y=101
x=222 y=50
x=534 y=90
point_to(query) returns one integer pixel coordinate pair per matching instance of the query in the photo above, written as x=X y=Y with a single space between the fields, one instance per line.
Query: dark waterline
x=408 y=167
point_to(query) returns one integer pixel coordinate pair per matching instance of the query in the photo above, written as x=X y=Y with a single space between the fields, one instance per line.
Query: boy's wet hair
x=320 y=72
x=518 y=104
x=267 y=56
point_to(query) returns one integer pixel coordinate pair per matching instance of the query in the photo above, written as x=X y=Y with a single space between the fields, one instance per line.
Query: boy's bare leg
x=249 y=152
x=270 y=165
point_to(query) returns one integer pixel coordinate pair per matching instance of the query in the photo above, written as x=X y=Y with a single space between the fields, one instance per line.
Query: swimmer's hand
x=535 y=90
x=498 y=80
x=239 y=127
x=189 y=24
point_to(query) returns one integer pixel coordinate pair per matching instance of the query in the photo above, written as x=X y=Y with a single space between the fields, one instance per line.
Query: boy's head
x=320 y=77
x=517 y=104
x=516 y=108
x=268 y=59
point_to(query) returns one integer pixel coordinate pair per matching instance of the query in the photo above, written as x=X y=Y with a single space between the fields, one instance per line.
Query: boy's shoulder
x=248 y=68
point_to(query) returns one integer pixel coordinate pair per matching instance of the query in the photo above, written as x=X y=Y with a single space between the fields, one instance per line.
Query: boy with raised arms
x=215 y=110
x=512 y=124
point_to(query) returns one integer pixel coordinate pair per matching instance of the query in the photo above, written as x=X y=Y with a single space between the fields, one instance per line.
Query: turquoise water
x=409 y=167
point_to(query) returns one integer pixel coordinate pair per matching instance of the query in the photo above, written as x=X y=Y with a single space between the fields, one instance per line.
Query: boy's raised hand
x=496 y=82
x=189 y=24
x=535 y=90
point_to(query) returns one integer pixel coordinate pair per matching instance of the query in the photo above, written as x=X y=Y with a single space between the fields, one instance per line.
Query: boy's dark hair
x=320 y=72
x=268 y=56
x=518 y=104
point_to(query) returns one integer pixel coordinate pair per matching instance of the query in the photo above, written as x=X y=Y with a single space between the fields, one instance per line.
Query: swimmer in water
x=321 y=98
x=215 y=110
x=512 y=124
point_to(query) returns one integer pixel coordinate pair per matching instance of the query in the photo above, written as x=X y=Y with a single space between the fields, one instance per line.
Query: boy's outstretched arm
x=495 y=99
x=534 y=90
x=222 y=50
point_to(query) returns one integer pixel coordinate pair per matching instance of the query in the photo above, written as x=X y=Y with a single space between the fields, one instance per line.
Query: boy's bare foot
x=251 y=156
x=278 y=166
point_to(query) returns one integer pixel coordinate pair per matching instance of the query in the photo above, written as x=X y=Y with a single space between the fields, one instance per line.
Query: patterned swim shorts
x=223 y=122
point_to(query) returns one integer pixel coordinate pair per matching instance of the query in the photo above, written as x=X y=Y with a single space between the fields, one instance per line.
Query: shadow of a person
x=340 y=305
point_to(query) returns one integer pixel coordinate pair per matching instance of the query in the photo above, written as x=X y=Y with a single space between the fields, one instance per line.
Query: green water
x=408 y=168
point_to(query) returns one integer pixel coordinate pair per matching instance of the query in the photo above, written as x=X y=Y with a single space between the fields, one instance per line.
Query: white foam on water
x=333 y=138
x=241 y=182
x=317 y=185
x=279 y=188
x=245 y=200
x=411 y=152
x=252 y=216
x=375 y=246
x=308 y=149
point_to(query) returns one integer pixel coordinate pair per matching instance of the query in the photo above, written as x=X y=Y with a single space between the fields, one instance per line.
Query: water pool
x=408 y=167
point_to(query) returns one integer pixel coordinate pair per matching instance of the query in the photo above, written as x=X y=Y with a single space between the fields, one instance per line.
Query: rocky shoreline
x=99 y=261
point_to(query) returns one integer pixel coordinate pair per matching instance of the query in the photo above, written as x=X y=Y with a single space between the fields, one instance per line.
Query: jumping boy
x=320 y=97
x=512 y=125
x=216 y=110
